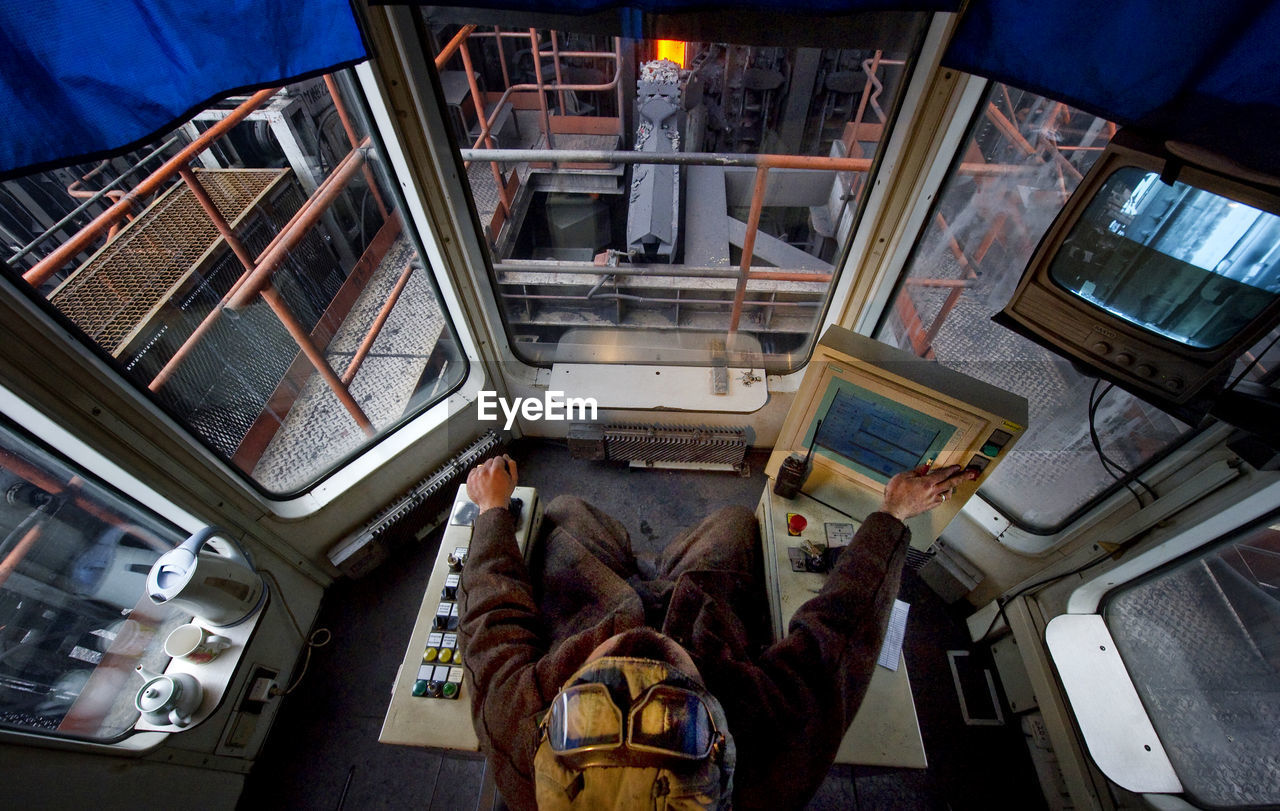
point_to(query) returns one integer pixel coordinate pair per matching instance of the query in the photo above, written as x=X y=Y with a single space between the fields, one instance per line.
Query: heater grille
x=661 y=444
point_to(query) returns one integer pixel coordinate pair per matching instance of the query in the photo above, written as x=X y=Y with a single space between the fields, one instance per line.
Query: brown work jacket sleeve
x=789 y=706
x=505 y=653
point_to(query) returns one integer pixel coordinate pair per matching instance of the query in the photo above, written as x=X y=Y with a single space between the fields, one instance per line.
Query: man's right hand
x=911 y=493
x=491 y=483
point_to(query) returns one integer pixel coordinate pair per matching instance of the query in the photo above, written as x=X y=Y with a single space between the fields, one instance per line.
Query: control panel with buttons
x=427 y=706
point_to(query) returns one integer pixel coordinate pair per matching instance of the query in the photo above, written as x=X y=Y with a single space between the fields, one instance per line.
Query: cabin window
x=683 y=197
x=1201 y=641
x=1022 y=158
x=75 y=621
x=263 y=288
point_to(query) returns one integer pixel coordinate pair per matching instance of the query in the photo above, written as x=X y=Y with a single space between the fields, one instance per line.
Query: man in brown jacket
x=579 y=703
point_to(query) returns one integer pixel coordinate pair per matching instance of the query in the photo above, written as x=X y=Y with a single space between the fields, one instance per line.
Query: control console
x=426 y=709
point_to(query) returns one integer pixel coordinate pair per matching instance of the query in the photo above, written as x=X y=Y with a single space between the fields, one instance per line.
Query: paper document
x=892 y=648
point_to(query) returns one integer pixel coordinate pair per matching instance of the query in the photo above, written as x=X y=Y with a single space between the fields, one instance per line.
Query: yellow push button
x=446 y=656
x=430 y=655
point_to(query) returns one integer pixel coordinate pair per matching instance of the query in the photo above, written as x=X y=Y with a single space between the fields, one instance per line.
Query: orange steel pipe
x=616 y=56
x=502 y=59
x=46 y=482
x=786 y=276
x=353 y=139
x=367 y=344
x=42 y=270
x=748 y=247
x=19 y=551
x=271 y=259
x=453 y=45
x=317 y=358
x=483 y=121
x=555 y=62
x=220 y=222
x=171 y=368
x=537 y=73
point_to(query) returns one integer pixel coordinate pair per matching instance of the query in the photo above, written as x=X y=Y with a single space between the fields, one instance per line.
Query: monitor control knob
x=1124 y=359
x=1145 y=370
x=1174 y=384
x=1102 y=347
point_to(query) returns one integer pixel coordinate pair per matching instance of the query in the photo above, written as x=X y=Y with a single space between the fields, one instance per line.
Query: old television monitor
x=1162 y=270
x=870 y=411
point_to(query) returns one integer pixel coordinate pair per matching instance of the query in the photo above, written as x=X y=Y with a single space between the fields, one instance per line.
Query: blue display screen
x=874 y=435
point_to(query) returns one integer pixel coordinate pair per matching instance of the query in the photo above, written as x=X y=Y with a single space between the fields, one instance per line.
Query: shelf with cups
x=204 y=668
x=209 y=576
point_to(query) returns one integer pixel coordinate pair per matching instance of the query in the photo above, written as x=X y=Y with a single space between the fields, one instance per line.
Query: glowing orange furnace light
x=671 y=49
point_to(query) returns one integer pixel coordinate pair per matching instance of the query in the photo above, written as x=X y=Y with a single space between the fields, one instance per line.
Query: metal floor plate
x=1212 y=695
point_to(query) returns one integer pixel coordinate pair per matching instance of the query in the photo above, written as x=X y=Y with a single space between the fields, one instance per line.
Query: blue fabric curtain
x=1204 y=72
x=80 y=78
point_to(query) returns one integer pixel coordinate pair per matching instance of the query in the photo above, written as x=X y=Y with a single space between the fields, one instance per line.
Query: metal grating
x=668 y=443
x=228 y=379
x=119 y=288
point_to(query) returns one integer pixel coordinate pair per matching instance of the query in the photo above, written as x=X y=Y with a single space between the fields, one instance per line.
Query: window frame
x=1022 y=536
x=847 y=281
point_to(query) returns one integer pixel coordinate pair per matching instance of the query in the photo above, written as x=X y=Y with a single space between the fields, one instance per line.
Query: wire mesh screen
x=117 y=290
x=226 y=382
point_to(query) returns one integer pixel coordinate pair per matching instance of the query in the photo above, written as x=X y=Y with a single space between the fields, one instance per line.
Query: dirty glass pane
x=1022 y=159
x=74 y=616
x=1201 y=642
x=620 y=182
x=307 y=330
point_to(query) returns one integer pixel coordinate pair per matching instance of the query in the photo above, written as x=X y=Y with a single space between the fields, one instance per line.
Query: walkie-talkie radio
x=795 y=470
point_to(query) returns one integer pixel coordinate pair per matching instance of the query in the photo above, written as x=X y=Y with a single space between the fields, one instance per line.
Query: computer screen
x=867 y=411
x=876 y=436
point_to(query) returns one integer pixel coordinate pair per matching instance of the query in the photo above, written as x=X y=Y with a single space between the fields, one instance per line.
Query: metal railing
x=256 y=280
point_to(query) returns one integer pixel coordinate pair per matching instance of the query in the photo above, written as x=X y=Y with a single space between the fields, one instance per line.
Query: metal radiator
x=675 y=446
x=414 y=514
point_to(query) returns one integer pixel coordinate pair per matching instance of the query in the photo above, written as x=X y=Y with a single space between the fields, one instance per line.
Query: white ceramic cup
x=195 y=644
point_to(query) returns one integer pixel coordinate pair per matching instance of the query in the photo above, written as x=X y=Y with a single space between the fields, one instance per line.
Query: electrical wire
x=1119 y=473
x=1002 y=602
x=318 y=639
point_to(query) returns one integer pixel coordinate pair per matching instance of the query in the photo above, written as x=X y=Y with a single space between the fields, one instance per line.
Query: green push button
x=420 y=687
x=991 y=449
x=450 y=689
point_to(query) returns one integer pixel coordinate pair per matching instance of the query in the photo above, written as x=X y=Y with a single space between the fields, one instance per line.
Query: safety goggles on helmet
x=585 y=725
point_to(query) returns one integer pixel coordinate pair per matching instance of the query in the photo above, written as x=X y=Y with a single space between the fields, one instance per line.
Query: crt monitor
x=869 y=411
x=1162 y=269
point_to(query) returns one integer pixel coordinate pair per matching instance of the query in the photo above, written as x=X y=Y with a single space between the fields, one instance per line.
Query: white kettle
x=210 y=577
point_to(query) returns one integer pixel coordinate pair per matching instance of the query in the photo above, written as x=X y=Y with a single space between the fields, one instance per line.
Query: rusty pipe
x=271 y=259
x=41 y=478
x=321 y=365
x=614 y=83
x=542 y=96
x=453 y=45
x=376 y=328
x=317 y=358
x=42 y=270
x=502 y=60
x=354 y=140
x=478 y=103
x=163 y=376
x=215 y=216
x=555 y=62
x=748 y=246
x=20 y=549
